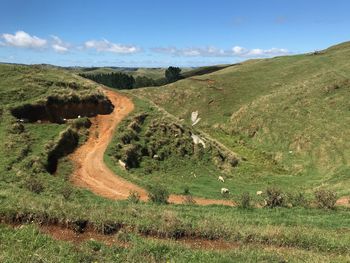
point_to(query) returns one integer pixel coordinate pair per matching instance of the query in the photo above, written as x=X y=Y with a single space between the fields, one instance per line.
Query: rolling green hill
x=289 y=111
x=285 y=119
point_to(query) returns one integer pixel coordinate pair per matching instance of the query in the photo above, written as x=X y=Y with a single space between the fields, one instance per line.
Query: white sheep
x=224 y=191
x=220 y=178
x=79 y=116
x=122 y=164
x=259 y=192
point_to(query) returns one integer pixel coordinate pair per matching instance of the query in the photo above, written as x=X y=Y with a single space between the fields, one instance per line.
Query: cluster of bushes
x=116 y=80
x=154 y=142
x=273 y=197
x=119 y=80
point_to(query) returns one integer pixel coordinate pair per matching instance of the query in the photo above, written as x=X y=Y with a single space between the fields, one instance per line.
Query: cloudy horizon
x=88 y=39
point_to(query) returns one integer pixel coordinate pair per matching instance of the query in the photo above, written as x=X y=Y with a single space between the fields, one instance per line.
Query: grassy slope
x=29 y=245
x=263 y=109
x=176 y=173
x=310 y=234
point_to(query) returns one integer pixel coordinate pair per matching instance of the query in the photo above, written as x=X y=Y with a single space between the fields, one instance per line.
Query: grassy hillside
x=153 y=73
x=31 y=198
x=289 y=111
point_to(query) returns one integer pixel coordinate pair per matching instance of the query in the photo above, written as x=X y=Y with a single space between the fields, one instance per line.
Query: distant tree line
x=120 y=80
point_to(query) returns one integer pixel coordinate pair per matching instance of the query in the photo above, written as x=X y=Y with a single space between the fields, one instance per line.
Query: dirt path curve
x=344 y=201
x=92 y=173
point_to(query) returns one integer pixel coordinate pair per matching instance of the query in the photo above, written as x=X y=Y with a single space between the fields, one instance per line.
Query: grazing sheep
x=221 y=179
x=122 y=164
x=21 y=120
x=259 y=192
x=156 y=157
x=197 y=140
x=194 y=118
x=79 y=116
x=224 y=191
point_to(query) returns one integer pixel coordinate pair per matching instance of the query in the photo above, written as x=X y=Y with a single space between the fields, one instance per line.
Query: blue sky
x=162 y=33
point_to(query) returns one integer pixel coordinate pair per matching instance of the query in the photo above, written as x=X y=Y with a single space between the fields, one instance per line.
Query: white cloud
x=58 y=45
x=235 y=51
x=191 y=52
x=59 y=49
x=106 y=46
x=24 y=40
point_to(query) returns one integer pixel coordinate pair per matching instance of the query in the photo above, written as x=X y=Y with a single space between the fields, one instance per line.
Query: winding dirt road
x=92 y=173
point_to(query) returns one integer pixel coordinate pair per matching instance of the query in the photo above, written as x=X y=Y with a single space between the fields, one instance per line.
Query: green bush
x=67 y=192
x=274 y=198
x=325 y=199
x=134 y=197
x=158 y=194
x=298 y=200
x=245 y=201
x=81 y=123
x=17 y=128
x=34 y=185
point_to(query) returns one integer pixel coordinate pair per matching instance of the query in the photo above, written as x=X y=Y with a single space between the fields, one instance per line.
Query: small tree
x=245 y=201
x=274 y=198
x=158 y=194
x=326 y=199
x=172 y=74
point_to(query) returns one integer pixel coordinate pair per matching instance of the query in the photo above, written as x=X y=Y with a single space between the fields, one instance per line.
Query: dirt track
x=92 y=173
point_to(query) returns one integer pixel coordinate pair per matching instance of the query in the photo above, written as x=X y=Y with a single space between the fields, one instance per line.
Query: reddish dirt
x=92 y=173
x=344 y=201
x=65 y=234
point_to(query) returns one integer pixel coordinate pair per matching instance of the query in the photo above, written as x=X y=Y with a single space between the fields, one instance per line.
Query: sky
x=160 y=33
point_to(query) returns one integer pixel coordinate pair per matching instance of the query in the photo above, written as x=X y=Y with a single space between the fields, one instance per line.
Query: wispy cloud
x=191 y=52
x=106 y=46
x=235 y=51
x=58 y=45
x=23 y=40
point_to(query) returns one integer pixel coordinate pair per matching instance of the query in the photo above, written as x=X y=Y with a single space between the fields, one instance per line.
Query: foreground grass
x=27 y=244
x=294 y=234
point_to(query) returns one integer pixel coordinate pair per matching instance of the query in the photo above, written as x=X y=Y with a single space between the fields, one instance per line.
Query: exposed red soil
x=92 y=173
x=66 y=234
x=344 y=201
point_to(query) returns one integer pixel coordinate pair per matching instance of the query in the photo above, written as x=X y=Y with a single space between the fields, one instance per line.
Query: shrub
x=245 y=201
x=34 y=185
x=17 y=128
x=131 y=155
x=81 y=123
x=326 y=199
x=274 y=198
x=158 y=194
x=66 y=192
x=298 y=199
x=186 y=191
x=134 y=197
